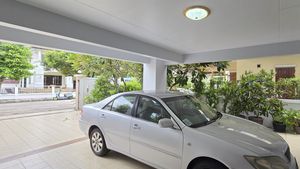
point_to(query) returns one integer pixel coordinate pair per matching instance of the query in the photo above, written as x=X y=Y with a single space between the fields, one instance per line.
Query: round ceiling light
x=197 y=13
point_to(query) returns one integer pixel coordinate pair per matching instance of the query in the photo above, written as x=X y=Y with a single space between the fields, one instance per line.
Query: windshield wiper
x=218 y=116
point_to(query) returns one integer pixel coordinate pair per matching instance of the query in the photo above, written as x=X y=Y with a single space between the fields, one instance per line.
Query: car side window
x=151 y=110
x=108 y=106
x=123 y=104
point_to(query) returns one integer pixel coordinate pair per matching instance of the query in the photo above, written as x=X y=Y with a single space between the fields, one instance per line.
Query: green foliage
x=179 y=75
x=274 y=107
x=229 y=92
x=288 y=117
x=60 y=61
x=103 y=88
x=14 y=61
x=253 y=92
x=212 y=92
x=132 y=85
x=288 y=88
x=109 y=72
x=297 y=119
x=91 y=66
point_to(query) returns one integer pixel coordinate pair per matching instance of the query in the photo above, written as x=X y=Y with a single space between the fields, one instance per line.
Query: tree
x=60 y=61
x=14 y=61
x=179 y=75
x=93 y=66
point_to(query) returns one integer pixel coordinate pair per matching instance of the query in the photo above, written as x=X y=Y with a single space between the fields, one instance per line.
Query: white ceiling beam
x=27 y=18
x=56 y=43
x=275 y=49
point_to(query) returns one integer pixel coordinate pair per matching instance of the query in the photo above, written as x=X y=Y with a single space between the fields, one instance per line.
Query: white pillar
x=155 y=76
x=53 y=91
x=16 y=90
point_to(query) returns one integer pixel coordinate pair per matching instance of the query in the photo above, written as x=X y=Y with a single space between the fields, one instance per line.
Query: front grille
x=288 y=154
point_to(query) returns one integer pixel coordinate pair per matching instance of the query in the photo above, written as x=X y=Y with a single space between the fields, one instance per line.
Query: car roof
x=158 y=94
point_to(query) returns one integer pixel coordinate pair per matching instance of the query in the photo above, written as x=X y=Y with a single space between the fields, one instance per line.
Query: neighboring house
x=41 y=78
x=229 y=74
x=283 y=66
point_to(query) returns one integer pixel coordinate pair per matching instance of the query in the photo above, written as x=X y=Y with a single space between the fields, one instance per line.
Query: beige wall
x=267 y=63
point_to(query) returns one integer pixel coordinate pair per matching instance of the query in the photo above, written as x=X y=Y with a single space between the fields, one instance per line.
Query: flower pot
x=258 y=120
x=297 y=129
x=279 y=127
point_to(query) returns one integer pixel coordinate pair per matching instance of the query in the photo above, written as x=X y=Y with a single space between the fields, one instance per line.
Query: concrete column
x=53 y=91
x=79 y=96
x=16 y=90
x=155 y=76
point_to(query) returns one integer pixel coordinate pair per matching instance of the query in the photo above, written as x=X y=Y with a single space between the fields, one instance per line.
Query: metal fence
x=7 y=91
x=44 y=90
x=34 y=90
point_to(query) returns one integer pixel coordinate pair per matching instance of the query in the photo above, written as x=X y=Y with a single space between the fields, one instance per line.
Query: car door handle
x=102 y=116
x=136 y=126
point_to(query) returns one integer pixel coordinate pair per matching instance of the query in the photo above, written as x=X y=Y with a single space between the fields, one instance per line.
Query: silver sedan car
x=176 y=131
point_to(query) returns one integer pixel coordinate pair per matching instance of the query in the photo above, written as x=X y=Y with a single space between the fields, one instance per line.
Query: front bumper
x=293 y=163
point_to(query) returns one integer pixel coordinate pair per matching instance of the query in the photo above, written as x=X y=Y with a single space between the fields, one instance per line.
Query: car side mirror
x=165 y=123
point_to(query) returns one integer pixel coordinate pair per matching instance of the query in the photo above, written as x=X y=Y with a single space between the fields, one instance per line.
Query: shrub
x=288 y=88
x=103 y=88
x=133 y=85
x=252 y=93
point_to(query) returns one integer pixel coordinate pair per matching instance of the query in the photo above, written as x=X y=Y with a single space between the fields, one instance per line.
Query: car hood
x=246 y=134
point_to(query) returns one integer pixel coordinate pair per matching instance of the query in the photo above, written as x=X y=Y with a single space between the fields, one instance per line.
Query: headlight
x=268 y=162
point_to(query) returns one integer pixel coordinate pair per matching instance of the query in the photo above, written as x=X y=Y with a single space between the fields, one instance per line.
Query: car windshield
x=191 y=111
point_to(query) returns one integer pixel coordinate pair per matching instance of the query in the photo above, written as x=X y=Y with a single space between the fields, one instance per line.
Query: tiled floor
x=55 y=142
x=26 y=134
x=74 y=156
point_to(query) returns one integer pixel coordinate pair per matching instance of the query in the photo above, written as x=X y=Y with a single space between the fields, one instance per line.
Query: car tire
x=208 y=164
x=97 y=143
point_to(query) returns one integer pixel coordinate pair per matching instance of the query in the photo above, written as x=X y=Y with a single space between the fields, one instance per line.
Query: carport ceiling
x=234 y=26
x=232 y=23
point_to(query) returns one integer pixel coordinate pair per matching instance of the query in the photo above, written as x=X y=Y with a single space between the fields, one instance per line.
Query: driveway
x=54 y=141
x=35 y=107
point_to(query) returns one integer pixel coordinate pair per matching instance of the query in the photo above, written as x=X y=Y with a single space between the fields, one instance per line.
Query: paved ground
x=35 y=107
x=55 y=142
x=8 y=98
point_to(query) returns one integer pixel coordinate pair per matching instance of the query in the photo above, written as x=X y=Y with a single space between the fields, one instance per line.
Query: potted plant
x=279 y=122
x=286 y=119
x=253 y=91
x=297 y=122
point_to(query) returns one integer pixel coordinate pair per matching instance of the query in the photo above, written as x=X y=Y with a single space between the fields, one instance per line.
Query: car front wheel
x=97 y=142
x=209 y=164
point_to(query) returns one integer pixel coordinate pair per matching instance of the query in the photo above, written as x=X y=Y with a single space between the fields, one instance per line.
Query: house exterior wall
x=36 y=80
x=268 y=63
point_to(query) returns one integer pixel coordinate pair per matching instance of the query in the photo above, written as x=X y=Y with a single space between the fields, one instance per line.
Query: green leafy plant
x=287 y=117
x=132 y=85
x=274 y=107
x=288 y=88
x=181 y=74
x=290 y=118
x=297 y=119
x=252 y=94
x=104 y=88
x=14 y=61
x=229 y=92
